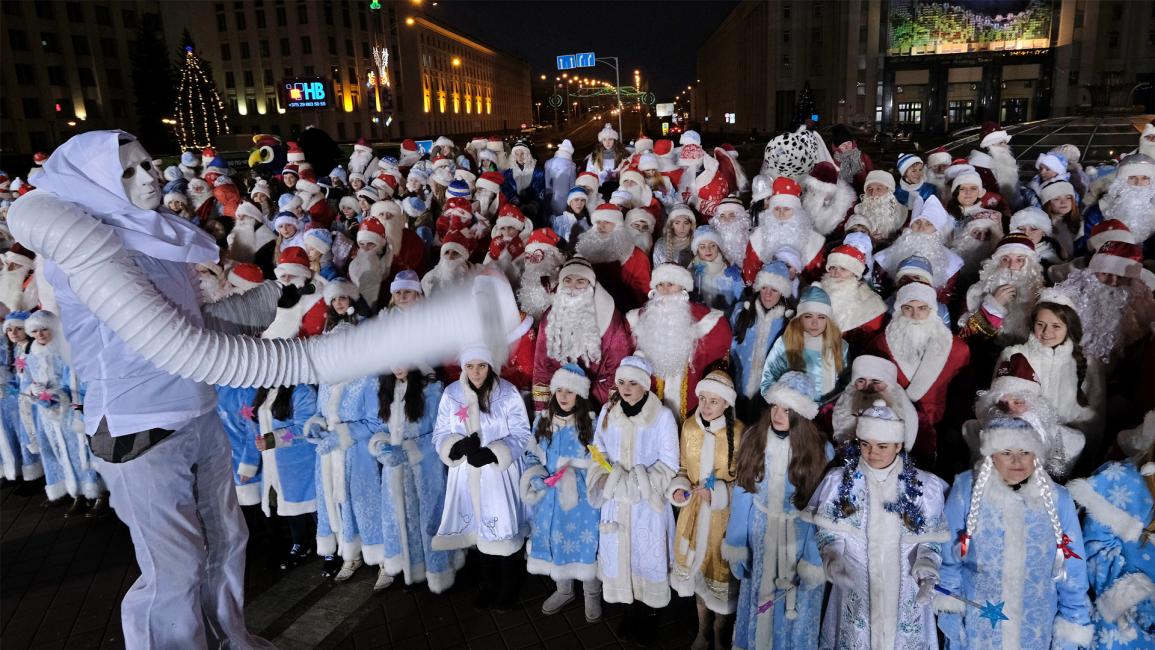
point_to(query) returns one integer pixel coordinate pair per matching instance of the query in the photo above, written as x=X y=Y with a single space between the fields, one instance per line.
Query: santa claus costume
x=925 y=237
x=871 y=378
x=454 y=267
x=928 y=357
x=507 y=243
x=880 y=526
x=539 y=275
x=622 y=268
x=879 y=214
x=250 y=240
x=582 y=327
x=787 y=226
x=636 y=458
x=1019 y=545
x=827 y=198
x=856 y=308
x=991 y=312
x=300 y=312
x=767 y=543
x=18 y=290
x=679 y=337
x=996 y=142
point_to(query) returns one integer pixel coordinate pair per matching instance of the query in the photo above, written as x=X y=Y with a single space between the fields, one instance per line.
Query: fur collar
x=865 y=307
x=647 y=416
x=923 y=378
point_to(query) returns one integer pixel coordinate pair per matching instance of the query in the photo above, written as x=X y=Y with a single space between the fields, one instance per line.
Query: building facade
x=924 y=66
x=67 y=67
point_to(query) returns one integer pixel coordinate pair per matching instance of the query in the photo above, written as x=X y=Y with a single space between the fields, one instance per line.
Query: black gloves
x=465 y=446
x=291 y=294
x=481 y=457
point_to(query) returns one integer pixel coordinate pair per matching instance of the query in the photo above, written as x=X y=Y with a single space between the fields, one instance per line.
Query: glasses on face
x=536 y=256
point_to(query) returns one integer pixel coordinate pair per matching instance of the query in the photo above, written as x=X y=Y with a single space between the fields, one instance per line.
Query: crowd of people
x=838 y=405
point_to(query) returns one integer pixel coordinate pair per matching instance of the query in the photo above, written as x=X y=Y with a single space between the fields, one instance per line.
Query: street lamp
x=456 y=62
x=409 y=21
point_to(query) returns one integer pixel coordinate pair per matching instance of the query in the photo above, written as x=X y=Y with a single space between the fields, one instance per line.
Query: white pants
x=189 y=535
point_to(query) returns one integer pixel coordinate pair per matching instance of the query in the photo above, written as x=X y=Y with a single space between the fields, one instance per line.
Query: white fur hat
x=1054 y=190
x=340 y=287
x=1033 y=217
x=607 y=132
x=879 y=423
x=608 y=212
x=868 y=366
x=1011 y=433
x=882 y=177
x=718 y=383
x=916 y=291
x=966 y=178
x=635 y=368
x=674 y=274
x=476 y=353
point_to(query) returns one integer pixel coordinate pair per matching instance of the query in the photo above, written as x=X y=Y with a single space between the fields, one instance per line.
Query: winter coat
x=287 y=468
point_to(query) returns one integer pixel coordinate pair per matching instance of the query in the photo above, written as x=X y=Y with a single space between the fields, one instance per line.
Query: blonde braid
x=1046 y=491
x=977 y=490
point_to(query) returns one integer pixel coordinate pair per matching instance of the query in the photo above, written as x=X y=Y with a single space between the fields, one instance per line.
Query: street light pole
x=617 y=88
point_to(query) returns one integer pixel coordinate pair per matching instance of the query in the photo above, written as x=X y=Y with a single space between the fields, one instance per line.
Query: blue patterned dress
x=287 y=469
x=347 y=476
x=67 y=463
x=19 y=459
x=1120 y=563
x=412 y=491
x=1010 y=559
x=563 y=542
x=235 y=409
x=764 y=527
x=748 y=357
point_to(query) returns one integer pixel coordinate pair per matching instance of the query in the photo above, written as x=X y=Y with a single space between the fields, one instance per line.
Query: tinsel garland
x=910 y=491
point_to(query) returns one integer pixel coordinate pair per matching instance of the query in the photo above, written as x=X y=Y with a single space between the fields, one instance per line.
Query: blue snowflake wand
x=993 y=612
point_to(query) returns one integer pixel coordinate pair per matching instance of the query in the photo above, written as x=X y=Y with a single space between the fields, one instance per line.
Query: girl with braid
x=708 y=455
x=768 y=546
x=1018 y=543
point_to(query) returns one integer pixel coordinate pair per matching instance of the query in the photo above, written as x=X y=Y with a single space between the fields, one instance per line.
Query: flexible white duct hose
x=102 y=276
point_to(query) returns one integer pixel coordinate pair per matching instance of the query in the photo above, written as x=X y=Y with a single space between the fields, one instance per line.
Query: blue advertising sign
x=425 y=146
x=306 y=92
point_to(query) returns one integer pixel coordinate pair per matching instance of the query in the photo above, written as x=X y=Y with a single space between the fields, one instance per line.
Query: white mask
x=139 y=176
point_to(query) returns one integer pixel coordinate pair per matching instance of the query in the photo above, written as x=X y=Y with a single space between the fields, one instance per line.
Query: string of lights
x=200 y=112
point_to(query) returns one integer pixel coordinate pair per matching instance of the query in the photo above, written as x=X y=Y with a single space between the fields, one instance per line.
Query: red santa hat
x=294 y=261
x=992 y=134
x=786 y=192
x=458 y=207
x=440 y=161
x=362 y=146
x=409 y=147
x=510 y=215
x=457 y=243
x=294 y=153
x=543 y=239
x=1110 y=230
x=385 y=183
x=825 y=172
x=674 y=274
x=491 y=181
x=1118 y=258
x=1015 y=243
x=39 y=157
x=849 y=258
x=937 y=156
x=1014 y=376
x=245 y=276
x=717 y=383
x=371 y=231
x=664 y=148
x=609 y=213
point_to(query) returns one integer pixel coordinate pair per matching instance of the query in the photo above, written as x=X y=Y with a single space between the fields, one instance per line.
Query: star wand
x=993 y=612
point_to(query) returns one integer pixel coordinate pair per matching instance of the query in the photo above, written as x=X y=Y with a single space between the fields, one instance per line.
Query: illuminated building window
x=427 y=95
x=488 y=105
x=456 y=98
x=441 y=98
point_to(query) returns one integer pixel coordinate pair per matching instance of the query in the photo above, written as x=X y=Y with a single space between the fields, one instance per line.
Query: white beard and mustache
x=212 y=289
x=572 y=331
x=1006 y=171
x=448 y=273
x=1113 y=317
x=910 y=339
x=486 y=204
x=642 y=240
x=1027 y=281
x=534 y=295
x=849 y=164
x=973 y=251
x=1134 y=206
x=12 y=288
x=523 y=175
x=617 y=246
x=826 y=204
x=1146 y=147
x=794 y=232
x=735 y=235
x=664 y=335
x=884 y=214
x=845 y=412
x=925 y=245
x=359 y=163
x=198 y=198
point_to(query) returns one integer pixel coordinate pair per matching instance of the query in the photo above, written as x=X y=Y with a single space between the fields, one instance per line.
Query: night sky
x=660 y=38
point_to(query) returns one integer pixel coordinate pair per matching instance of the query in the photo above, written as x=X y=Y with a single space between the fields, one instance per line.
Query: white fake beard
x=1134 y=206
x=1117 y=312
x=794 y=232
x=910 y=339
x=1146 y=147
x=12 y=288
x=450 y=272
x=522 y=176
x=1006 y=169
x=486 y=204
x=925 y=245
x=974 y=251
x=843 y=292
x=827 y=205
x=735 y=235
x=664 y=335
x=884 y=214
x=642 y=240
x=211 y=289
x=635 y=194
x=358 y=161
x=1027 y=281
x=198 y=199
x=936 y=179
x=601 y=249
x=572 y=331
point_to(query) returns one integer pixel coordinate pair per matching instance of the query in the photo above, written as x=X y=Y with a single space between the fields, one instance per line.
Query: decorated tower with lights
x=200 y=113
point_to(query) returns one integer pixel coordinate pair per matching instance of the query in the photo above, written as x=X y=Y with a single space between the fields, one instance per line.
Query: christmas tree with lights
x=805 y=108
x=200 y=113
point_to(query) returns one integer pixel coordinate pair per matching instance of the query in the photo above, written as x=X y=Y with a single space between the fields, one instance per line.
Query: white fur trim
x=854 y=265
x=326 y=545
x=880 y=430
x=529 y=495
x=1074 y=633
x=570 y=381
x=996 y=440
x=1115 y=265
x=720 y=496
x=572 y=571
x=1127 y=527
x=717 y=388
x=634 y=373
x=812 y=575
x=248 y=494
x=443 y=450
x=783 y=395
x=679 y=483
x=815 y=307
x=735 y=554
x=501 y=450
x=674 y=274
x=1123 y=595
x=948 y=605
